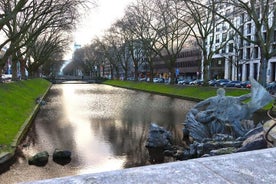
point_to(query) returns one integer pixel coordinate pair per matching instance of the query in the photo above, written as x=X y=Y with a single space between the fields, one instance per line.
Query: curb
x=6 y=156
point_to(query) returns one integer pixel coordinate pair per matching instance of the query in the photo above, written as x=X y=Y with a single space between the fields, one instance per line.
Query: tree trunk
x=1 y=69
x=263 y=71
x=172 y=71
x=22 y=69
x=136 y=73
x=14 y=67
x=238 y=70
x=206 y=70
x=111 y=72
x=117 y=72
x=151 y=68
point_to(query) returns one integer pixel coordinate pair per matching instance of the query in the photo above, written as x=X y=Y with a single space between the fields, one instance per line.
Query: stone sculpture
x=159 y=140
x=225 y=114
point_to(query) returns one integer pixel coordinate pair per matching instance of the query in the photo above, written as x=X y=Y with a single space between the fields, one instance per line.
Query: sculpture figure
x=224 y=114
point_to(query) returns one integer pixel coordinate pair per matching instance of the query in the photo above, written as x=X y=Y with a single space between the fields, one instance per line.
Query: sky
x=99 y=19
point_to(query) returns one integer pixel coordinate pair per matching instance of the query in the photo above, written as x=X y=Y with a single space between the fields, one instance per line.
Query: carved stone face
x=221 y=92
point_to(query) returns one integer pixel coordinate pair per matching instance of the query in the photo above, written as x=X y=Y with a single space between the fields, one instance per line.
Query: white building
x=240 y=58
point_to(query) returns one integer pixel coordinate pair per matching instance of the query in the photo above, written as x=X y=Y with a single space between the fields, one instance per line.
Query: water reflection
x=104 y=127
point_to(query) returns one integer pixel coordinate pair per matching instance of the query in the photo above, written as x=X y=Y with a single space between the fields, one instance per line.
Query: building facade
x=240 y=58
x=188 y=65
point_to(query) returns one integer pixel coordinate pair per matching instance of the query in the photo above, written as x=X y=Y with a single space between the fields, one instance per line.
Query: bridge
x=72 y=79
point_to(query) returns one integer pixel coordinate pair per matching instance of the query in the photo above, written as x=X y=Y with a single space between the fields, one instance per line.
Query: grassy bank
x=194 y=93
x=187 y=92
x=17 y=101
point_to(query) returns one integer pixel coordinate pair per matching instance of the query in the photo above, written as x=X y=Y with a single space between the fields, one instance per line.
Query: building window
x=241 y=42
x=231 y=34
x=223 y=50
x=224 y=27
x=217 y=38
x=231 y=47
x=256 y=52
x=247 y=53
x=249 y=27
x=248 y=40
x=274 y=47
x=258 y=12
x=211 y=40
x=241 y=53
x=264 y=35
x=242 y=18
x=217 y=50
x=224 y=37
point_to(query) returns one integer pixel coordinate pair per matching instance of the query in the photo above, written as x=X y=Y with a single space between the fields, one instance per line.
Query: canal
x=105 y=128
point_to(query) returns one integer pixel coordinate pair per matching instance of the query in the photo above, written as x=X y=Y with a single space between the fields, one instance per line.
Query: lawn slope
x=17 y=101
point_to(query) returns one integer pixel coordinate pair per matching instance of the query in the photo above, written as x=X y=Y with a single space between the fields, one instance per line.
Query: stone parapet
x=246 y=167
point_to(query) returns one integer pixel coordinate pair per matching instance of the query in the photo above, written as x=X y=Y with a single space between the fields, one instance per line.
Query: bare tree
x=134 y=44
x=169 y=30
x=48 y=48
x=138 y=17
x=117 y=53
x=204 y=27
x=77 y=62
x=90 y=58
x=8 y=10
x=37 y=16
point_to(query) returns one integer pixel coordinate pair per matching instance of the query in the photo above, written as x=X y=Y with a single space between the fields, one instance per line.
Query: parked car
x=158 y=80
x=131 y=78
x=184 y=81
x=219 y=82
x=212 y=82
x=232 y=83
x=222 y=82
x=242 y=84
x=142 y=79
x=187 y=81
x=196 y=82
x=180 y=81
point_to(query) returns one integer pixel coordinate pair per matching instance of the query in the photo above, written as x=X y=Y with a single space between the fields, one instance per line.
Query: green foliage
x=17 y=101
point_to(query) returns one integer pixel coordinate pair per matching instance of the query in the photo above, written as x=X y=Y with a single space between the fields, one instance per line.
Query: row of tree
x=36 y=32
x=160 y=29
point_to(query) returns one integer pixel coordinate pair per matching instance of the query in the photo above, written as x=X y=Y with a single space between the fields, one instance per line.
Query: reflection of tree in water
x=126 y=139
x=128 y=135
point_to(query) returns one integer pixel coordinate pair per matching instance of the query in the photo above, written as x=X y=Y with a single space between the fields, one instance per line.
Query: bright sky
x=100 y=19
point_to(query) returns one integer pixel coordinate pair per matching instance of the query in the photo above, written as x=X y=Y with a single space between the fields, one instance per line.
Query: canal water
x=105 y=128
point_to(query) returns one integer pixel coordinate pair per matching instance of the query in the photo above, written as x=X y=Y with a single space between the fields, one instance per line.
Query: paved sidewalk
x=239 y=168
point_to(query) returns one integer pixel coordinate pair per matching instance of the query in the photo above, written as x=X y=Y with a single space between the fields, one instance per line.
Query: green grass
x=188 y=92
x=17 y=101
x=195 y=93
